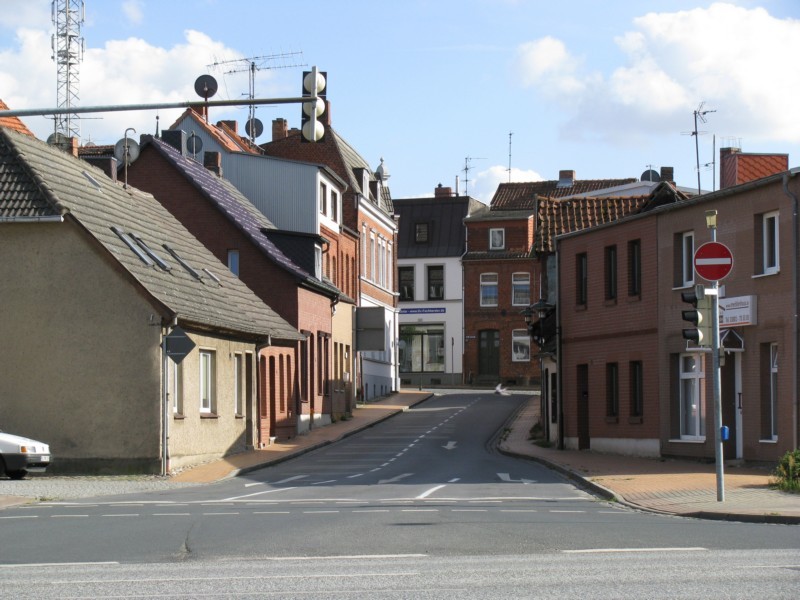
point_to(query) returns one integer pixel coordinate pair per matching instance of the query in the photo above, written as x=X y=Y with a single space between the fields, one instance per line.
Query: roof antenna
x=467 y=168
x=699 y=114
x=157 y=117
x=510 y=133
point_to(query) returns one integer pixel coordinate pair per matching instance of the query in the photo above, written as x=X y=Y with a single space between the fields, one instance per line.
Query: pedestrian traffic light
x=314 y=87
x=699 y=316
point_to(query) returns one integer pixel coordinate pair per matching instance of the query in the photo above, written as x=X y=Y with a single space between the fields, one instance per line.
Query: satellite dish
x=194 y=144
x=58 y=139
x=123 y=156
x=254 y=128
x=205 y=86
x=650 y=175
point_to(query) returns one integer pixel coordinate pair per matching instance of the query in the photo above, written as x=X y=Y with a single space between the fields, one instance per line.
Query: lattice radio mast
x=68 y=47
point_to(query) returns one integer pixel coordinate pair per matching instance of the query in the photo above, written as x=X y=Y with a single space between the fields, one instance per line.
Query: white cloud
x=484 y=184
x=133 y=11
x=735 y=59
x=24 y=13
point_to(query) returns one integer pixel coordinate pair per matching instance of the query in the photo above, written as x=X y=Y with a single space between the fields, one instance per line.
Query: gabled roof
x=222 y=133
x=13 y=122
x=522 y=196
x=41 y=179
x=557 y=216
x=235 y=207
x=445 y=219
x=738 y=167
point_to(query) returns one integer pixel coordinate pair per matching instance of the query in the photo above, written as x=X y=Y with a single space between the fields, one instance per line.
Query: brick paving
x=677 y=487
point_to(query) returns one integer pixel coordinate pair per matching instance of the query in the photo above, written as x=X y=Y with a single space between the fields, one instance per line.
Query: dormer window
x=497 y=239
x=421 y=233
x=318 y=262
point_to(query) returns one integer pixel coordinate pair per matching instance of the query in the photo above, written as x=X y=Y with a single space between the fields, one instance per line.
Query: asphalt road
x=375 y=513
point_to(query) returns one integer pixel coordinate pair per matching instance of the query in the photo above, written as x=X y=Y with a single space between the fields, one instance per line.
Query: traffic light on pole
x=315 y=88
x=699 y=316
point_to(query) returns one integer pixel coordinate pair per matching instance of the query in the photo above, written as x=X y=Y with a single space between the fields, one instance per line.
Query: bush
x=787 y=473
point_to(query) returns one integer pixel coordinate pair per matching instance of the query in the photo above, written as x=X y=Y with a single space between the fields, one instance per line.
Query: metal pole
x=717 y=385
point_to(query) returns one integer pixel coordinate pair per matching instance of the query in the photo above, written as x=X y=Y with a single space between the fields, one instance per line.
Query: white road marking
x=22 y=517
x=354 y=476
x=271 y=512
x=430 y=491
x=454 y=480
x=394 y=479
x=64 y=564
x=257 y=494
x=322 y=482
x=611 y=550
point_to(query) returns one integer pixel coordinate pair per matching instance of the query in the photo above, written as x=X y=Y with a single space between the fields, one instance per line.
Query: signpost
x=713 y=261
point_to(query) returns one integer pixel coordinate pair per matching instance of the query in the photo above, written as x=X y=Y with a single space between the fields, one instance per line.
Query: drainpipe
x=559 y=361
x=795 y=299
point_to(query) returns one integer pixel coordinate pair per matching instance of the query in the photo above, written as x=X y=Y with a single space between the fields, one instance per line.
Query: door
x=730 y=399
x=489 y=355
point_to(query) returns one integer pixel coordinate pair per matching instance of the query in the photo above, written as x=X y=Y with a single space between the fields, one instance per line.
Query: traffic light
x=699 y=316
x=315 y=88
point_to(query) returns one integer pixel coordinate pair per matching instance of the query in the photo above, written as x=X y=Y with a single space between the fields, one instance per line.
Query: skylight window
x=183 y=263
x=214 y=277
x=93 y=181
x=151 y=253
x=132 y=245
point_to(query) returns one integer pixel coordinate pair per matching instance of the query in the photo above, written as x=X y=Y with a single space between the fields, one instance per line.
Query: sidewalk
x=676 y=487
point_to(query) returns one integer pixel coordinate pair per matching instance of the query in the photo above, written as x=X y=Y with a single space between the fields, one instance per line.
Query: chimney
x=326 y=116
x=566 y=179
x=668 y=174
x=213 y=162
x=280 y=129
x=442 y=192
x=232 y=125
x=72 y=146
x=175 y=138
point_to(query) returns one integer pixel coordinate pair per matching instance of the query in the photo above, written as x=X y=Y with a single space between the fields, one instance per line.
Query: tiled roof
x=13 y=122
x=43 y=178
x=522 y=196
x=556 y=216
x=445 y=219
x=740 y=167
x=224 y=135
x=237 y=209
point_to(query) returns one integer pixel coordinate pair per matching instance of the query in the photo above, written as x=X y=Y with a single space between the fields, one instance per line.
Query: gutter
x=47 y=219
x=795 y=299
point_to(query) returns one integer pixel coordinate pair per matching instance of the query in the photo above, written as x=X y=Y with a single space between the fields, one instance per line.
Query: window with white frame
x=372 y=258
x=489 y=291
x=497 y=239
x=318 y=262
x=769 y=243
x=238 y=396
x=684 y=259
x=520 y=345
x=335 y=206
x=323 y=199
x=770 y=410
x=207 y=381
x=177 y=388
x=692 y=402
x=520 y=289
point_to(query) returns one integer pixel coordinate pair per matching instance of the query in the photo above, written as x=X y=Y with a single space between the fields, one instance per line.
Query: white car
x=20 y=456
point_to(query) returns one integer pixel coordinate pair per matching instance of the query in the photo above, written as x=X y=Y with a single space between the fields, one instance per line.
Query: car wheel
x=17 y=474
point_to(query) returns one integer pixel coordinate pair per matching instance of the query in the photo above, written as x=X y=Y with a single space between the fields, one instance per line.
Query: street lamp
x=541 y=309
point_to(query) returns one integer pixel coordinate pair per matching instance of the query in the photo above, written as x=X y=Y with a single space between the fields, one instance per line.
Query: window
x=684 y=259
x=581 y=279
x=769 y=391
x=520 y=345
x=238 y=397
x=520 y=289
x=233 y=261
x=177 y=388
x=612 y=390
x=406 y=275
x=372 y=269
x=692 y=403
x=497 y=239
x=488 y=289
x=637 y=388
x=634 y=268
x=436 y=282
x=421 y=233
x=323 y=198
x=150 y=252
x=207 y=380
x=317 y=262
x=611 y=272
x=766 y=230
x=335 y=205
x=421 y=348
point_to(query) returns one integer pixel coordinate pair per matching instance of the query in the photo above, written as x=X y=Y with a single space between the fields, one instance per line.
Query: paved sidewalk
x=685 y=488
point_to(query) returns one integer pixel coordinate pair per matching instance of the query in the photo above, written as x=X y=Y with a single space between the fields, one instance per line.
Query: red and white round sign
x=713 y=261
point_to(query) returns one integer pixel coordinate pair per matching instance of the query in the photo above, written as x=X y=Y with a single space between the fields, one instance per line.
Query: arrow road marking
x=506 y=478
x=450 y=446
x=395 y=479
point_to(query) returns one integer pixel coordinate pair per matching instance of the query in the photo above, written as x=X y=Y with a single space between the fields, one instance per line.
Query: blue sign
x=421 y=311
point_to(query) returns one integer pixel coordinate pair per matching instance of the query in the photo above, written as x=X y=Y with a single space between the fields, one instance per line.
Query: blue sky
x=607 y=89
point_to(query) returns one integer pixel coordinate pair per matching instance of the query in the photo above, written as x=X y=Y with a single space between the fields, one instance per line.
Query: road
x=420 y=504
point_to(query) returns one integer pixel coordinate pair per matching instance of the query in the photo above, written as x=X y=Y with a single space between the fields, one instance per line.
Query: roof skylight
x=132 y=245
x=183 y=263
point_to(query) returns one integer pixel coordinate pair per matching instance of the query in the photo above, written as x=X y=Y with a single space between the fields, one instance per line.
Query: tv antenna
x=251 y=65
x=467 y=168
x=510 y=133
x=701 y=115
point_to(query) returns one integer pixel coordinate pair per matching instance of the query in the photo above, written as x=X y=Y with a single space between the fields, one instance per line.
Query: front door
x=730 y=401
x=489 y=355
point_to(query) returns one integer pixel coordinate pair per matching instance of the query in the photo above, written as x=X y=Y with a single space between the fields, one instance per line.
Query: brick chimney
x=442 y=192
x=213 y=162
x=175 y=138
x=280 y=129
x=566 y=178
x=668 y=174
x=232 y=125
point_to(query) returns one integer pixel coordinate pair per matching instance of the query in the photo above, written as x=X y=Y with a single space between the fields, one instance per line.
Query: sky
x=468 y=93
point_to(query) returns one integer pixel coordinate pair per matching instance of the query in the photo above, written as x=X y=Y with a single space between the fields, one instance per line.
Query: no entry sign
x=713 y=261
